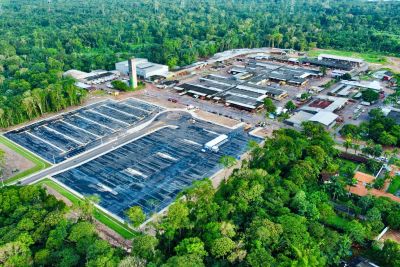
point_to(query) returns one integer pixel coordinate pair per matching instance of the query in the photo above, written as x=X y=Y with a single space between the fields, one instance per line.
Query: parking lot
x=152 y=170
x=72 y=133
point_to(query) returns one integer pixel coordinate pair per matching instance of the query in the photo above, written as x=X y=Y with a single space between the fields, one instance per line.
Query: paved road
x=149 y=125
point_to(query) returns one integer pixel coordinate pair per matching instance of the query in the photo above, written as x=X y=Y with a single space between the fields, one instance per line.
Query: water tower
x=133 y=83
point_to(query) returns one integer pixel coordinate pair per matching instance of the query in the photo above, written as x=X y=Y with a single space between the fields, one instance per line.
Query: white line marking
x=191 y=142
x=104 y=115
x=166 y=156
x=66 y=136
x=211 y=132
x=44 y=141
x=83 y=130
x=95 y=122
x=130 y=105
x=121 y=111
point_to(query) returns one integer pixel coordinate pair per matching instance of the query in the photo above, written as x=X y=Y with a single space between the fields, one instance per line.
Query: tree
x=145 y=247
x=15 y=254
x=346 y=76
x=185 y=260
x=132 y=261
x=120 y=85
x=348 y=143
x=387 y=139
x=390 y=253
x=192 y=245
x=269 y=105
x=136 y=215
x=323 y=70
x=369 y=95
x=394 y=219
x=86 y=207
x=221 y=247
x=227 y=162
x=349 y=130
x=290 y=106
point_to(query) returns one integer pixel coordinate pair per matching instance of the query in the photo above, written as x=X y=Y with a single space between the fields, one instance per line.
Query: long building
x=244 y=95
x=144 y=68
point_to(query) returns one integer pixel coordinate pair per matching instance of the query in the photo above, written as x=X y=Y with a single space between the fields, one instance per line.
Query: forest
x=41 y=39
x=272 y=211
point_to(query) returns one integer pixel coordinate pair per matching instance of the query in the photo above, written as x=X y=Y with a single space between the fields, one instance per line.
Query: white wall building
x=144 y=68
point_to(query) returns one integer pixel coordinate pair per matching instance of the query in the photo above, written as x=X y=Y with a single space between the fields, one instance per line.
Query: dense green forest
x=36 y=231
x=40 y=38
x=273 y=211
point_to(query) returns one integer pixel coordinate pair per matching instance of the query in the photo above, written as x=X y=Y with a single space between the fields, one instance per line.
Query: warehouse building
x=373 y=85
x=326 y=103
x=355 y=62
x=325 y=118
x=144 y=68
x=92 y=78
x=240 y=94
x=262 y=72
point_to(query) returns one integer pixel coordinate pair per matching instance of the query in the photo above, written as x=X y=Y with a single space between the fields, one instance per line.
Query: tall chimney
x=132 y=73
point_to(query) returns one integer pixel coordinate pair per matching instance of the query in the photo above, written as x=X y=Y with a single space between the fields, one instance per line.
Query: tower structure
x=133 y=83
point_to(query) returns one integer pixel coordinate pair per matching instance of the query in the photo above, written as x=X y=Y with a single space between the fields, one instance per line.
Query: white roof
x=76 y=74
x=356 y=60
x=374 y=85
x=137 y=60
x=216 y=141
x=324 y=117
x=82 y=85
x=299 y=117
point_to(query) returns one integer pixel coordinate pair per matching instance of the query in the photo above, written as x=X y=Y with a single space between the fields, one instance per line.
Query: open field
x=367 y=56
x=14 y=163
x=39 y=164
x=99 y=215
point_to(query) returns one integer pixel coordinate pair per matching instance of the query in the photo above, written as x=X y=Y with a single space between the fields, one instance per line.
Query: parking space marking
x=111 y=118
x=147 y=111
x=47 y=142
x=192 y=142
x=66 y=136
x=83 y=130
x=123 y=112
x=98 y=123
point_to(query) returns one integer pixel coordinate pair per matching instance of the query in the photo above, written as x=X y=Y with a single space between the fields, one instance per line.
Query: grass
x=99 y=215
x=346 y=166
x=338 y=222
x=370 y=57
x=39 y=163
x=394 y=185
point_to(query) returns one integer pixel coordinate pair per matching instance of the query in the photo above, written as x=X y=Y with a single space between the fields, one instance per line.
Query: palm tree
x=227 y=162
x=86 y=207
x=348 y=143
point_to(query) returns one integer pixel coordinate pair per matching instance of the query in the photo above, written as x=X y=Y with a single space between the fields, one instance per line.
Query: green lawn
x=368 y=56
x=39 y=163
x=99 y=215
x=337 y=222
x=394 y=185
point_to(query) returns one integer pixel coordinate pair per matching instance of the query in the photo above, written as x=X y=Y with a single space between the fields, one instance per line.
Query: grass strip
x=39 y=163
x=99 y=215
x=394 y=185
x=367 y=56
